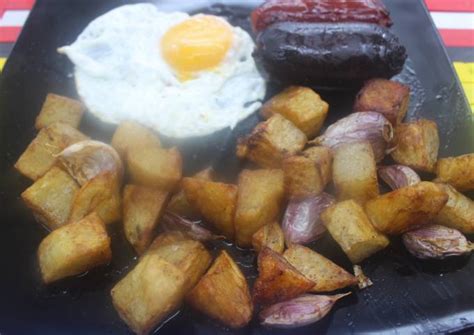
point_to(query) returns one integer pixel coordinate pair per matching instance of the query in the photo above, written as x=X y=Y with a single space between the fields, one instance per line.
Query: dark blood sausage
x=273 y=11
x=329 y=54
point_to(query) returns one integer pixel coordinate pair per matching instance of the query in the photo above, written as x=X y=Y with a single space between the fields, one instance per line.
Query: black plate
x=408 y=296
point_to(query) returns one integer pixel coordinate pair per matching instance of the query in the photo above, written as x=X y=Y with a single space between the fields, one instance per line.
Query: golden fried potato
x=271 y=141
x=387 y=97
x=51 y=197
x=457 y=171
x=301 y=105
x=180 y=205
x=142 y=210
x=327 y=275
x=188 y=255
x=223 y=293
x=74 y=248
x=57 y=108
x=351 y=229
x=270 y=236
x=403 y=209
x=156 y=167
x=355 y=172
x=307 y=173
x=149 y=293
x=458 y=213
x=277 y=279
x=417 y=145
x=101 y=195
x=40 y=155
x=131 y=135
x=259 y=201
x=215 y=201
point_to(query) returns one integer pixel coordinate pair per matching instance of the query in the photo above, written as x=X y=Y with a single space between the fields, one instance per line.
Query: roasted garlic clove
x=398 y=176
x=173 y=222
x=436 y=242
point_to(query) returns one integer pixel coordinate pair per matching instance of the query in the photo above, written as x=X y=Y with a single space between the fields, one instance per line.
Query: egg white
x=121 y=75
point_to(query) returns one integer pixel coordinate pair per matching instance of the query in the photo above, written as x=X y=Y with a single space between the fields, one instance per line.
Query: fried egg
x=182 y=75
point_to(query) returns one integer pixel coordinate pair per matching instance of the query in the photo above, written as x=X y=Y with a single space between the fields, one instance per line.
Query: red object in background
x=458 y=37
x=450 y=5
x=15 y=5
x=9 y=34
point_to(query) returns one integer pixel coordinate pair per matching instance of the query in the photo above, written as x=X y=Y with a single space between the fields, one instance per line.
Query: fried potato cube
x=223 y=293
x=271 y=141
x=149 y=293
x=301 y=105
x=51 y=197
x=131 y=135
x=355 y=172
x=403 y=209
x=458 y=213
x=215 y=201
x=270 y=236
x=188 y=255
x=277 y=279
x=327 y=275
x=387 y=97
x=307 y=173
x=40 y=155
x=101 y=195
x=351 y=229
x=57 y=108
x=74 y=249
x=259 y=200
x=180 y=205
x=457 y=171
x=156 y=167
x=417 y=145
x=142 y=210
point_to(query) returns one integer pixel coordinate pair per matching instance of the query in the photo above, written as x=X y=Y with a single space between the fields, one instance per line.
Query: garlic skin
x=369 y=126
x=301 y=223
x=362 y=280
x=300 y=311
x=398 y=176
x=85 y=160
x=173 y=222
x=436 y=242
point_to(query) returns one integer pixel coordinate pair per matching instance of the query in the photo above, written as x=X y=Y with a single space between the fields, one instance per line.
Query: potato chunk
x=327 y=275
x=457 y=171
x=355 y=172
x=301 y=105
x=40 y=155
x=51 y=197
x=259 y=201
x=271 y=141
x=215 y=201
x=223 y=293
x=308 y=173
x=57 y=108
x=351 y=229
x=403 y=209
x=386 y=97
x=270 y=236
x=131 y=135
x=149 y=293
x=180 y=205
x=417 y=145
x=101 y=195
x=157 y=167
x=188 y=255
x=142 y=209
x=74 y=248
x=458 y=213
x=277 y=279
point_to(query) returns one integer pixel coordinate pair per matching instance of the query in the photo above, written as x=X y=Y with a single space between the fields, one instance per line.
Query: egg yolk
x=199 y=43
